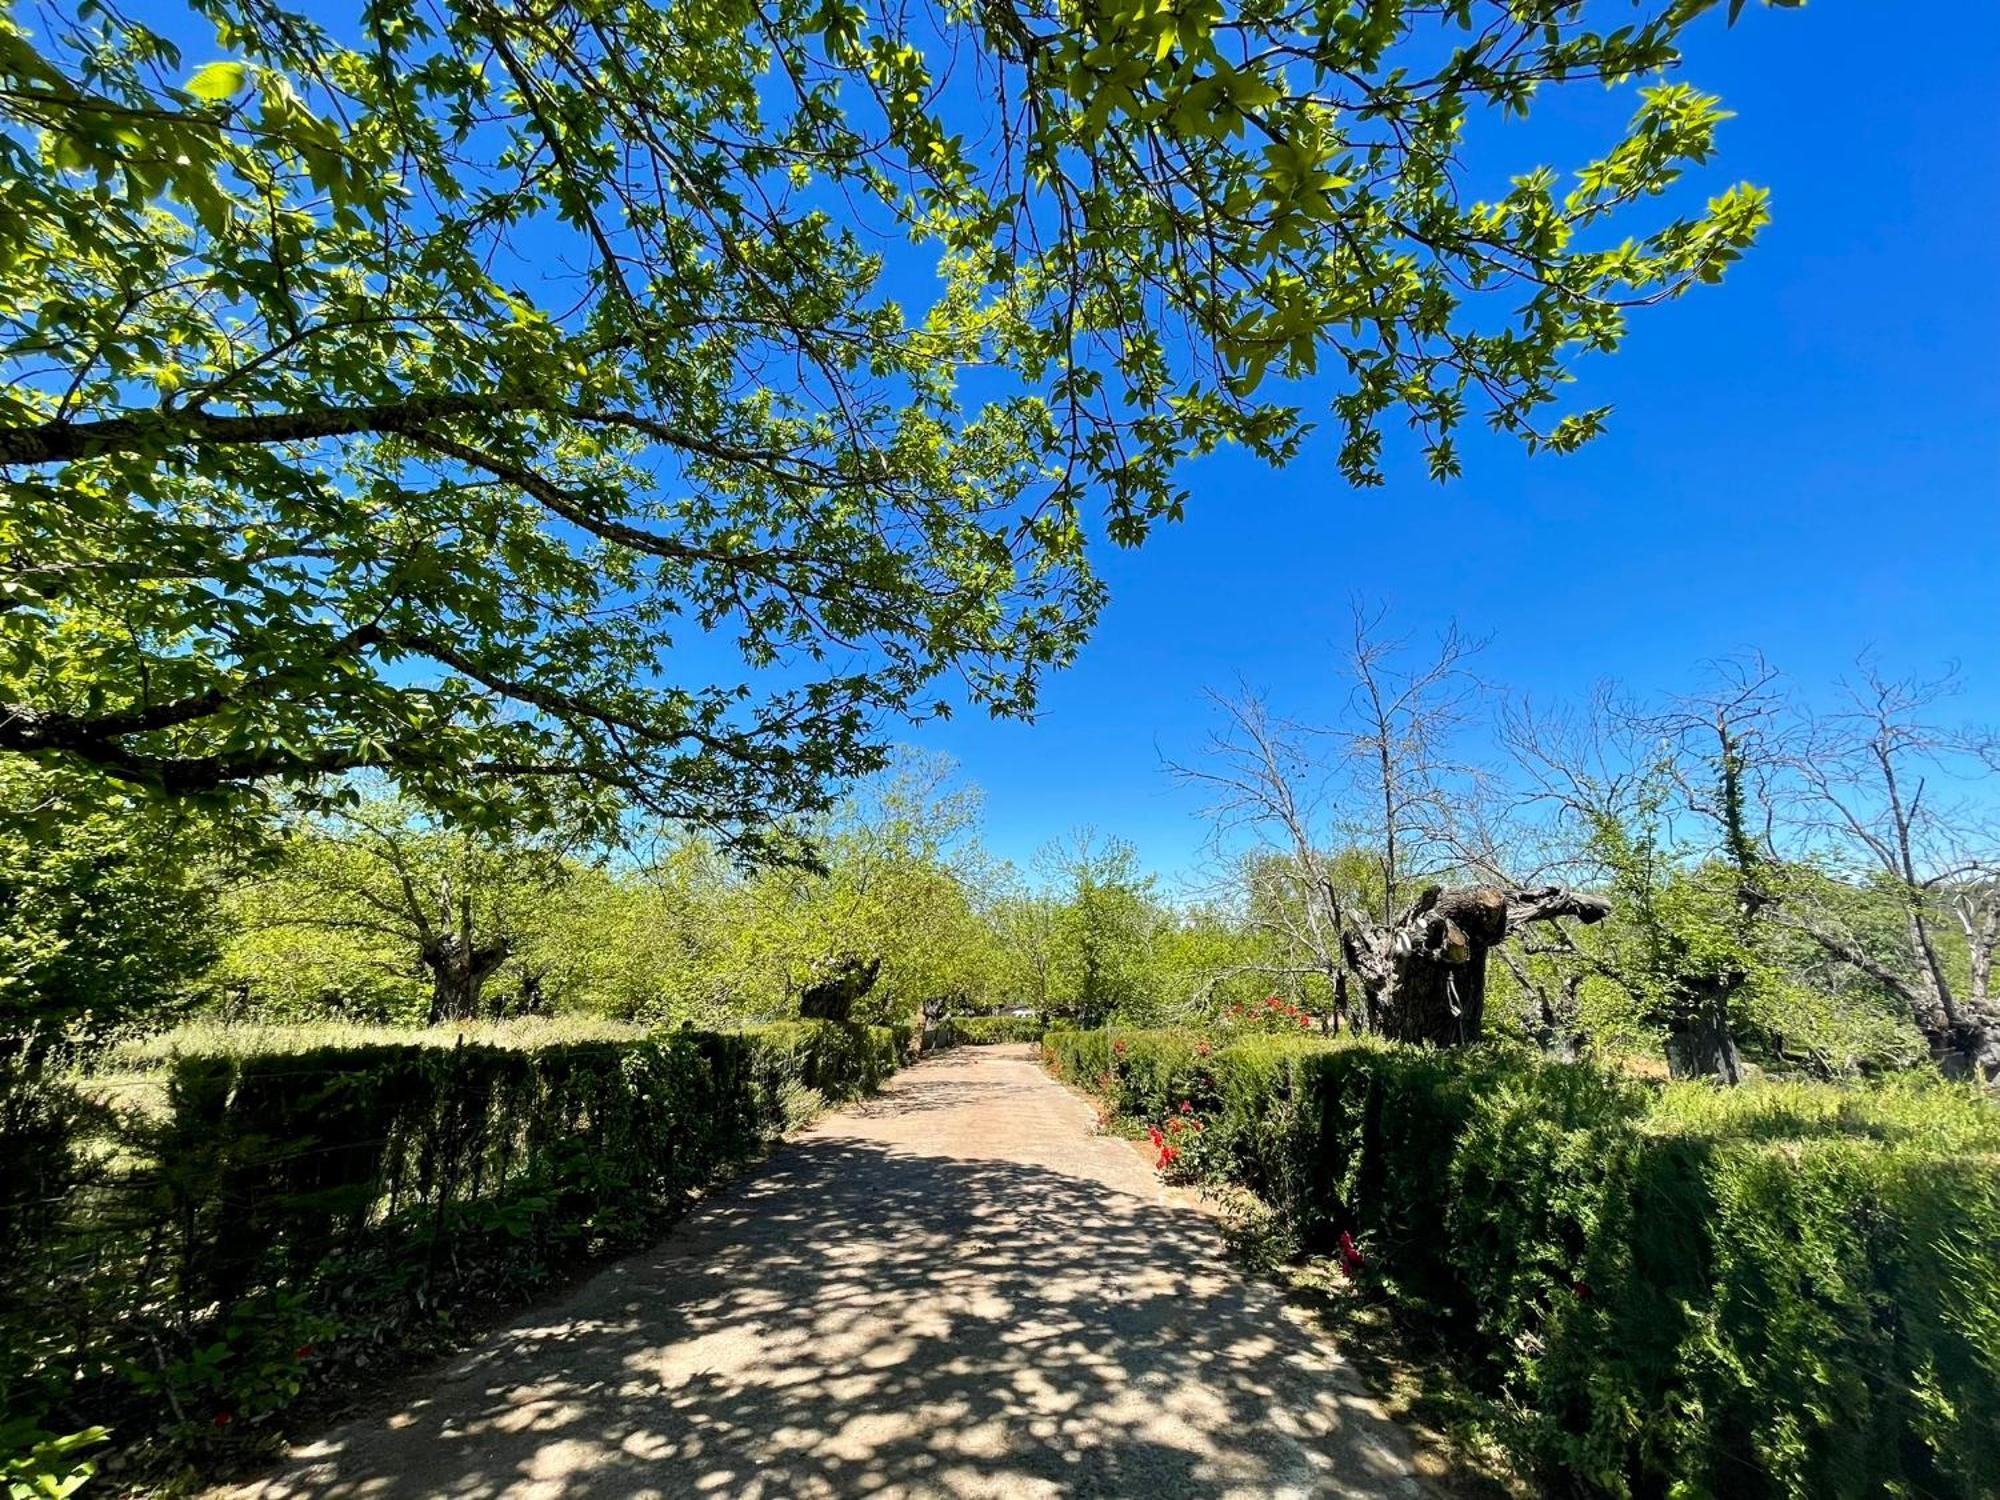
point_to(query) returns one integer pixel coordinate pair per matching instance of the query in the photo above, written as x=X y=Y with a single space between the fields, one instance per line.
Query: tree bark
x=1968 y=1049
x=459 y=971
x=1424 y=978
x=842 y=980
x=1700 y=1042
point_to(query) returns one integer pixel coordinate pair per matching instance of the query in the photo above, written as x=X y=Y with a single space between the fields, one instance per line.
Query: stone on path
x=955 y=1290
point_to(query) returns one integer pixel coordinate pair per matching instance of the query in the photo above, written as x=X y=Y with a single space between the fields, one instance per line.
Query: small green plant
x=37 y=1465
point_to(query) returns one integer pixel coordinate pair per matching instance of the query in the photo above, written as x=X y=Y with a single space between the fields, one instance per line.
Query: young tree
x=404 y=393
x=1104 y=924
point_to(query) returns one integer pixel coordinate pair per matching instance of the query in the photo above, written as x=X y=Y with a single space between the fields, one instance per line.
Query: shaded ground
x=955 y=1290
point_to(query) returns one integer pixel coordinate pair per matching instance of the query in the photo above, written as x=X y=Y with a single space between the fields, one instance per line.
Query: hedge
x=292 y=1223
x=982 y=1031
x=1778 y=1290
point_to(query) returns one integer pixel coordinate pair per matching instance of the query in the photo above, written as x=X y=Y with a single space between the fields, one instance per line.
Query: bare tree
x=1877 y=781
x=1357 y=845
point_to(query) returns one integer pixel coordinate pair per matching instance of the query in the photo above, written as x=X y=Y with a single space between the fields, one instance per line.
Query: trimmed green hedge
x=983 y=1031
x=291 y=1223
x=1780 y=1290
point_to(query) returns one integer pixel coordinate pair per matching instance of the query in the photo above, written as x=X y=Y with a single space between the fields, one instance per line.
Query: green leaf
x=216 y=81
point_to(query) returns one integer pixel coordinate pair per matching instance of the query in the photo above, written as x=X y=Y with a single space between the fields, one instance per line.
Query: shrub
x=1780 y=1290
x=295 y=1219
x=982 y=1031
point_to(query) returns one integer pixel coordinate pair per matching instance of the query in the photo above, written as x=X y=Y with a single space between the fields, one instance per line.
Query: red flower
x=222 y=1419
x=1351 y=1260
x=1582 y=1289
x=1153 y=1134
x=1275 y=1003
x=1167 y=1156
x=304 y=1351
x=1306 y=1021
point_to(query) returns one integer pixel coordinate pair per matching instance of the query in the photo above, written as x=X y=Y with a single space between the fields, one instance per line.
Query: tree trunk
x=1701 y=1045
x=1968 y=1049
x=1424 y=979
x=459 y=972
x=842 y=980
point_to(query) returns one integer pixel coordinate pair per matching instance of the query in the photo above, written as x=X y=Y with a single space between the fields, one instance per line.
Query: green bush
x=1779 y=1290
x=294 y=1220
x=982 y=1031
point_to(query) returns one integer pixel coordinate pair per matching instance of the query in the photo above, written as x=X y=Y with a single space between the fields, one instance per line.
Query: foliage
x=407 y=395
x=983 y=1031
x=106 y=916
x=359 y=904
x=294 y=1218
x=1780 y=1290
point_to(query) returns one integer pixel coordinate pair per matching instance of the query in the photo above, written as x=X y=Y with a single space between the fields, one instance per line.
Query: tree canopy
x=661 y=398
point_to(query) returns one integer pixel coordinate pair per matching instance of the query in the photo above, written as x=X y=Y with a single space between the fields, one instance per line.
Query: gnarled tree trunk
x=1700 y=1042
x=1968 y=1048
x=1424 y=979
x=459 y=971
x=840 y=982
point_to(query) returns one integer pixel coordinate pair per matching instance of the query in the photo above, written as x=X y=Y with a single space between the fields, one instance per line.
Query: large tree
x=449 y=906
x=461 y=389
x=1372 y=858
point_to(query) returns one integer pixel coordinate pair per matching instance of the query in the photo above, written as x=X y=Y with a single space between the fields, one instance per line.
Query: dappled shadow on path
x=887 y=1310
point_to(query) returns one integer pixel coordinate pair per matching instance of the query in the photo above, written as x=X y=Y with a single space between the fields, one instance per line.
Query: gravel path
x=954 y=1290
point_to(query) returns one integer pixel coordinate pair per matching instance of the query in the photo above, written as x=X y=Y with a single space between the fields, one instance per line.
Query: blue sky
x=1804 y=460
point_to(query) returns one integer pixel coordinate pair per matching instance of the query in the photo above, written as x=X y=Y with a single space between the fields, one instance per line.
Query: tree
x=108 y=909
x=453 y=905
x=1354 y=847
x=1104 y=924
x=1878 y=808
x=411 y=395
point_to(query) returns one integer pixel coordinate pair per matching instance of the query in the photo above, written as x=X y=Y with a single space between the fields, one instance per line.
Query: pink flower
x=1351 y=1260
x=1186 y=1107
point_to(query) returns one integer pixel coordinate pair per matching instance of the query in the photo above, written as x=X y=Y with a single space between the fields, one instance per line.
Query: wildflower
x=1186 y=1107
x=1275 y=1003
x=1119 y=1046
x=1306 y=1022
x=1202 y=1049
x=1351 y=1260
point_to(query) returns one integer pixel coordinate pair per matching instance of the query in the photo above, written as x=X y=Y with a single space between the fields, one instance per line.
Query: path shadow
x=861 y=1319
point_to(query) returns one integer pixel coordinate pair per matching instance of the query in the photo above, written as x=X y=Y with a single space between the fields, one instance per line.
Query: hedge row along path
x=956 y=1289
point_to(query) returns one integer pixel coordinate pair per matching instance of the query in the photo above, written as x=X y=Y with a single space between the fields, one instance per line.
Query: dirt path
x=955 y=1290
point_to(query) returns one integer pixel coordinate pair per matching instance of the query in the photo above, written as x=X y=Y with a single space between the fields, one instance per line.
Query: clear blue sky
x=1804 y=460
